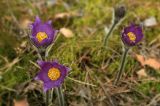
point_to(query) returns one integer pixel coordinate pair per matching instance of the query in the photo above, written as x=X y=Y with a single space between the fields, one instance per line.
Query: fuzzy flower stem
x=47 y=98
x=60 y=96
x=120 y=72
x=51 y=94
x=48 y=101
x=42 y=56
x=109 y=33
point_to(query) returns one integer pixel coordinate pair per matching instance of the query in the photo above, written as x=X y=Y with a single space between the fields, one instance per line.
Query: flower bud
x=119 y=12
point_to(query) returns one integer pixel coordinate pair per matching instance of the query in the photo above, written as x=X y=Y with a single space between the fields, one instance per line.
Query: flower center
x=131 y=36
x=53 y=74
x=41 y=36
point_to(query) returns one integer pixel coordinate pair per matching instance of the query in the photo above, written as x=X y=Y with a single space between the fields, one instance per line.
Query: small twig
x=10 y=89
x=36 y=65
x=81 y=82
x=106 y=93
x=133 y=89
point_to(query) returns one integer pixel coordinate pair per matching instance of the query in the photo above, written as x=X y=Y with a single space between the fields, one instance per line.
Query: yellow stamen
x=54 y=74
x=131 y=36
x=41 y=36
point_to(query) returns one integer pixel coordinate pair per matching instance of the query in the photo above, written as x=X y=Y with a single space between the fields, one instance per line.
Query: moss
x=149 y=88
x=88 y=29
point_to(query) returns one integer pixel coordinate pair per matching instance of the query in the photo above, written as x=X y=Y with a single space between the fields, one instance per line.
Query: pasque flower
x=132 y=35
x=42 y=34
x=52 y=74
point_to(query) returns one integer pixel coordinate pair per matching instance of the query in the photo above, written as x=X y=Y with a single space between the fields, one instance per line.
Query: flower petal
x=45 y=88
x=36 y=78
x=40 y=63
x=38 y=20
x=51 y=84
x=49 y=22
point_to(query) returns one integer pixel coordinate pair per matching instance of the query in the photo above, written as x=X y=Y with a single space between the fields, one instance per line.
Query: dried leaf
x=66 y=32
x=150 y=22
x=66 y=15
x=142 y=73
x=83 y=93
x=25 y=23
x=23 y=102
x=51 y=2
x=62 y=15
x=141 y=59
x=152 y=62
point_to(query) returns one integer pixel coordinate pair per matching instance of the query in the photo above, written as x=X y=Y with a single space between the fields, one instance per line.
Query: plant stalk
x=42 y=56
x=60 y=96
x=109 y=33
x=47 y=98
x=120 y=72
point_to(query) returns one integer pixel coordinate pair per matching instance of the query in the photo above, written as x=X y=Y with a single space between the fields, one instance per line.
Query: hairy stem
x=109 y=33
x=42 y=56
x=47 y=98
x=120 y=72
x=60 y=96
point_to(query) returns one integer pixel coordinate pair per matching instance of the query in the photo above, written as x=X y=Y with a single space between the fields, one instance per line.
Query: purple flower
x=52 y=74
x=42 y=33
x=132 y=35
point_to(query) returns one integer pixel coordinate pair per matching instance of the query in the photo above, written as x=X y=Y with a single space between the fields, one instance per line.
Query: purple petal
x=43 y=74
x=52 y=84
x=40 y=63
x=30 y=26
x=38 y=20
x=36 y=78
x=49 y=22
x=45 y=89
x=68 y=69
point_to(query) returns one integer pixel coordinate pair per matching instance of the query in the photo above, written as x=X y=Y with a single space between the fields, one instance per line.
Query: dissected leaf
x=66 y=32
x=141 y=59
x=152 y=62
